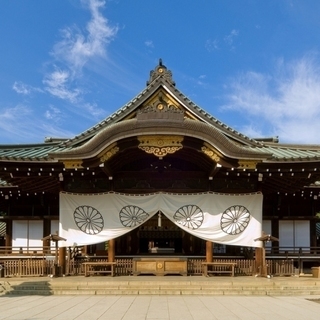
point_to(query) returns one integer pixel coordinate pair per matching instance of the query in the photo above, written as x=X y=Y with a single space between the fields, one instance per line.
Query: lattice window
x=3 y=226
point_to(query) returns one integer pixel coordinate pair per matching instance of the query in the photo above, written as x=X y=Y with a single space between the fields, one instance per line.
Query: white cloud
x=53 y=114
x=212 y=45
x=58 y=84
x=23 y=88
x=76 y=47
x=284 y=103
x=9 y=117
x=10 y=114
x=229 y=39
x=75 y=50
x=72 y=53
x=52 y=130
x=94 y=110
x=32 y=127
x=149 y=44
x=201 y=80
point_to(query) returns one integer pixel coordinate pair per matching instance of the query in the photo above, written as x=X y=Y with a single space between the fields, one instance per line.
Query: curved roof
x=186 y=127
x=229 y=141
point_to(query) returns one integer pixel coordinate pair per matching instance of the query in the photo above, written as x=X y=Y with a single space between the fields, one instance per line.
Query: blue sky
x=67 y=64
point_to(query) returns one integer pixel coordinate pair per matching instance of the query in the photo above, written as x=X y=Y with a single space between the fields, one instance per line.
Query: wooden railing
x=281 y=252
x=292 y=251
x=281 y=267
x=39 y=266
x=26 y=267
x=27 y=251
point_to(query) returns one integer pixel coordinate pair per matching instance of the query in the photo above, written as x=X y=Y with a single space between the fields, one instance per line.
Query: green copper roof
x=30 y=152
x=296 y=153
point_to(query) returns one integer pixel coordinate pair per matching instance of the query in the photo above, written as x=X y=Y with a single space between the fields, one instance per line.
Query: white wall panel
x=294 y=233
x=35 y=234
x=26 y=233
x=286 y=234
x=266 y=228
x=19 y=233
x=302 y=234
x=54 y=226
x=54 y=230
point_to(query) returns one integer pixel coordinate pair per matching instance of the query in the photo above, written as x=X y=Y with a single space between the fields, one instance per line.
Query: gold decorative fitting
x=163 y=98
x=160 y=146
x=210 y=152
x=72 y=164
x=248 y=164
x=110 y=152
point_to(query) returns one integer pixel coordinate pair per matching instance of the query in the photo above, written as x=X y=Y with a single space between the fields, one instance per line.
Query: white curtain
x=221 y=218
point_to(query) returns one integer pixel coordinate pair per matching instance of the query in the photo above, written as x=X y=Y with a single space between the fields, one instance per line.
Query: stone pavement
x=136 y=307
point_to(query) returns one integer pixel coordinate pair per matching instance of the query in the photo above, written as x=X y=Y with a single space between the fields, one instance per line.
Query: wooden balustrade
x=42 y=266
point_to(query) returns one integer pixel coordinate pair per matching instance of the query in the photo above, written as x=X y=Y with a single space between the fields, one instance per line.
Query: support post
x=62 y=259
x=111 y=250
x=209 y=248
x=46 y=230
x=8 y=242
x=260 y=257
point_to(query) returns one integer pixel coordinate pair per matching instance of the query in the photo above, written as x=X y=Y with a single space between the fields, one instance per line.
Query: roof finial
x=161 y=71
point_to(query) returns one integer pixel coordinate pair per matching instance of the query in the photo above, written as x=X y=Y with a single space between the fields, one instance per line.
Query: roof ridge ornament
x=161 y=71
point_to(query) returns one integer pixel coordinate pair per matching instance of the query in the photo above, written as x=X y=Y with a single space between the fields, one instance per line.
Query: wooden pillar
x=63 y=250
x=258 y=260
x=62 y=259
x=111 y=250
x=209 y=248
x=46 y=231
x=8 y=242
x=260 y=257
x=84 y=250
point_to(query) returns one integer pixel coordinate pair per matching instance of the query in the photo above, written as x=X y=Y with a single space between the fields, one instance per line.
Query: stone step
x=164 y=286
x=150 y=291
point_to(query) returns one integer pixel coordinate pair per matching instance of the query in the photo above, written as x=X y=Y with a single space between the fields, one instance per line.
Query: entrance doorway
x=161 y=239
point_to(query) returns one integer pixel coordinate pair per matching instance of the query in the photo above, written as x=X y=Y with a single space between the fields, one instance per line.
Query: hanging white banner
x=220 y=218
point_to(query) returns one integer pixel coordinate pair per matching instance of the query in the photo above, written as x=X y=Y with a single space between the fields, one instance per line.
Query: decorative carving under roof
x=161 y=71
x=73 y=164
x=160 y=146
x=210 y=152
x=248 y=164
x=109 y=152
x=160 y=111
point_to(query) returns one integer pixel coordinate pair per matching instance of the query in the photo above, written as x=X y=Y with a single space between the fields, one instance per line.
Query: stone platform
x=165 y=285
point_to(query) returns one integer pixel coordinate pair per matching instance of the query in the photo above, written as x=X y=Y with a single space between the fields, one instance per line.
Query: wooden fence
x=281 y=267
x=41 y=266
x=26 y=267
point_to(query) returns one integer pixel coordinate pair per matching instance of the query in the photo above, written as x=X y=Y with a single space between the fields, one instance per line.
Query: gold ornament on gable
x=160 y=146
x=161 y=101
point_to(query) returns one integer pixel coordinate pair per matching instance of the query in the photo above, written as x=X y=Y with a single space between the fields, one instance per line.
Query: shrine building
x=160 y=176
